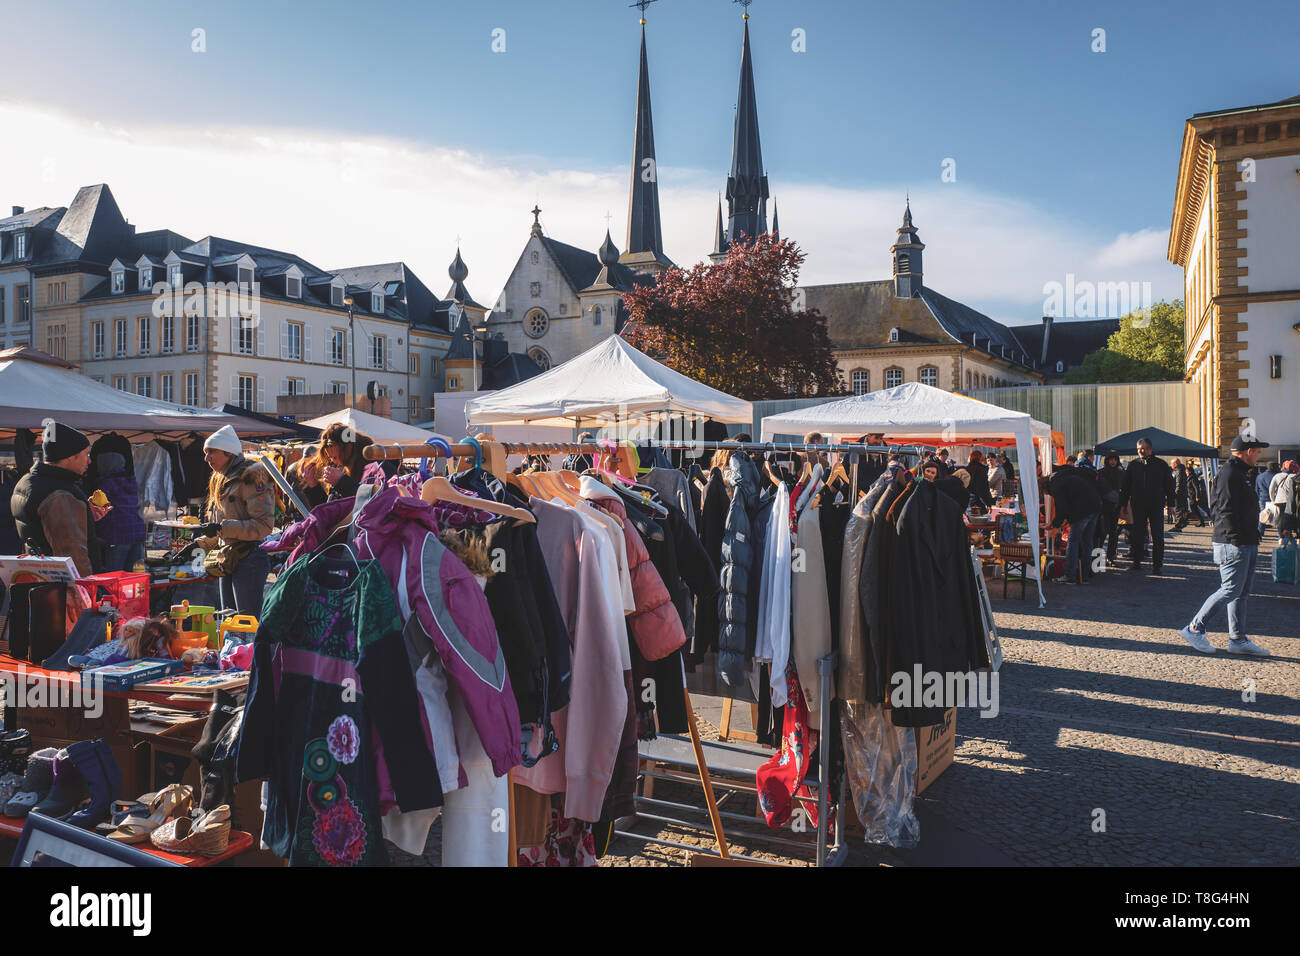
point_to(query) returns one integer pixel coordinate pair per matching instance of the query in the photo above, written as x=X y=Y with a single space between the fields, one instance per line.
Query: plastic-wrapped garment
x=153 y=475
x=880 y=760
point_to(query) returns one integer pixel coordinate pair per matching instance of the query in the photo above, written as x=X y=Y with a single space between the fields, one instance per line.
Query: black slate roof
x=1069 y=342
x=581 y=267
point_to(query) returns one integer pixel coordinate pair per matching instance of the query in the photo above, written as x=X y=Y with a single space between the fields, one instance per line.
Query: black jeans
x=1155 y=520
x=244 y=587
x=1108 y=534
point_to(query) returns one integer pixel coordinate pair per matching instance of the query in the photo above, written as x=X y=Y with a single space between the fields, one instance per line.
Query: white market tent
x=382 y=430
x=607 y=384
x=922 y=414
x=35 y=385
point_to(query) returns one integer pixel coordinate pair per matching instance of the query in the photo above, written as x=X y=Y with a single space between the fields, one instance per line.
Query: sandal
x=209 y=836
x=172 y=801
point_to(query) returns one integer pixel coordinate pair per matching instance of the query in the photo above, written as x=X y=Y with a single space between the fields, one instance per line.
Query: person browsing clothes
x=241 y=512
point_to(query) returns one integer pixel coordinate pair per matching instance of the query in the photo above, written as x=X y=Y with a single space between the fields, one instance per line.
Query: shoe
x=69 y=790
x=103 y=777
x=1197 y=639
x=16 y=743
x=1247 y=646
x=9 y=784
x=209 y=836
x=37 y=780
x=171 y=802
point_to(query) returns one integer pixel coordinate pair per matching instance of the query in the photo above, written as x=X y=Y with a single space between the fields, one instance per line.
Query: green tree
x=1147 y=348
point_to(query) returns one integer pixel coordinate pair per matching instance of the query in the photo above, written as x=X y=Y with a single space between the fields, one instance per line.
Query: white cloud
x=338 y=198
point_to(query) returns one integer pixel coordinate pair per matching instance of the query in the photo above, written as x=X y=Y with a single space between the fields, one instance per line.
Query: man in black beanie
x=54 y=516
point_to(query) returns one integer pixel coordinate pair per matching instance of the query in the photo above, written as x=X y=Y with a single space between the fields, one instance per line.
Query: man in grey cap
x=53 y=515
x=1236 y=548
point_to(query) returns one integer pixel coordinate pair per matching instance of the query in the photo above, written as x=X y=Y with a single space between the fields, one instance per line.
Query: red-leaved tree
x=734 y=325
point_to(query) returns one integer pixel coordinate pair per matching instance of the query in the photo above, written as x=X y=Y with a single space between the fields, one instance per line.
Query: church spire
x=720 y=238
x=747 y=184
x=645 y=244
x=776 y=228
x=907 y=257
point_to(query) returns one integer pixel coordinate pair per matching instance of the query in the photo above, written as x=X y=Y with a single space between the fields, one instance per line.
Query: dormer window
x=336 y=295
x=293 y=287
x=1060 y=367
x=377 y=303
x=893 y=335
x=244 y=276
x=174 y=276
x=146 y=278
x=20 y=246
x=119 y=281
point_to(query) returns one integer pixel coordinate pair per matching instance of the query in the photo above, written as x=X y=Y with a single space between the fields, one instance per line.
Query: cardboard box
x=935 y=749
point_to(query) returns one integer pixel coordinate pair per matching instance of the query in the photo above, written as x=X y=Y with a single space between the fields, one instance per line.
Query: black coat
x=1148 y=485
x=935 y=619
x=979 y=484
x=1235 y=506
x=1110 y=479
x=713 y=517
x=1076 y=494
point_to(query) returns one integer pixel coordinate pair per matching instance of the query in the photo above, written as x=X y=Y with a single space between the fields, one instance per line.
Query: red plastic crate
x=128 y=591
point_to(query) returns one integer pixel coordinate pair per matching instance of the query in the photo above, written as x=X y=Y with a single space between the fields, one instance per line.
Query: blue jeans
x=243 y=589
x=1081 y=530
x=123 y=557
x=1236 y=571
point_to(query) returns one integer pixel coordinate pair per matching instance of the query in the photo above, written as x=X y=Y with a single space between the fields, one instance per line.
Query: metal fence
x=1087 y=414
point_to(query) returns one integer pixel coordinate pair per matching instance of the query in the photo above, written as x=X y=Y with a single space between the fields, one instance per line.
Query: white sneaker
x=1197 y=639
x=1247 y=646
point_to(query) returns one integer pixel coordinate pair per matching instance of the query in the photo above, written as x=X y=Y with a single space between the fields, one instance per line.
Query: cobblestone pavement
x=1105 y=710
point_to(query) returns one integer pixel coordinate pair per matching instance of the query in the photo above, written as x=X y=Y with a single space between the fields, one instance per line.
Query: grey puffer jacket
x=739 y=546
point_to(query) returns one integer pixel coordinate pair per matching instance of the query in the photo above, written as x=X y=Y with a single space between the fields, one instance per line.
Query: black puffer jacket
x=736 y=576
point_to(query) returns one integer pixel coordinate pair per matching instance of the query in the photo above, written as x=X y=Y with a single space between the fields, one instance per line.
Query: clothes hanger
x=439 y=488
x=346 y=547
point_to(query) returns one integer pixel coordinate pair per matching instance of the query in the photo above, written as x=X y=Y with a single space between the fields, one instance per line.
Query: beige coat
x=245 y=507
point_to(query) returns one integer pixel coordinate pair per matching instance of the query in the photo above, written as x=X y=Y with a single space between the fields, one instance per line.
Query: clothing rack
x=494 y=454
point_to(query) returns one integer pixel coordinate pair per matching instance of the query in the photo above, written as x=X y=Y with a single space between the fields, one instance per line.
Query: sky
x=1034 y=147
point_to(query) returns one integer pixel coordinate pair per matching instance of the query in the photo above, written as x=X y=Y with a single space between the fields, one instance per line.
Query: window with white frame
x=293 y=287
x=165 y=387
x=146 y=278
x=56 y=292
x=244 y=276
x=174 y=276
x=893 y=335
x=930 y=376
x=97 y=340
x=861 y=380
x=294 y=386
x=144 y=385
x=453 y=383
x=336 y=295
x=893 y=377
x=146 y=335
x=119 y=338
x=119 y=382
x=378 y=350
x=338 y=347
x=247 y=391
x=167 y=334
x=338 y=388
x=413 y=408
x=247 y=340
x=20 y=246
x=376 y=303
x=292 y=341
x=191 y=388
x=191 y=333
x=119 y=281
x=415 y=363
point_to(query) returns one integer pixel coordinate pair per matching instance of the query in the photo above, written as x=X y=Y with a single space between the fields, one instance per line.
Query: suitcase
x=1284 y=562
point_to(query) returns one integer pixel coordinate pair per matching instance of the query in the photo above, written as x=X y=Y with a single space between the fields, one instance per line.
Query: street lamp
x=352 y=328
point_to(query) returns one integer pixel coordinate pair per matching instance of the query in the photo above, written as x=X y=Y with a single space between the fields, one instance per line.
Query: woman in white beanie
x=240 y=512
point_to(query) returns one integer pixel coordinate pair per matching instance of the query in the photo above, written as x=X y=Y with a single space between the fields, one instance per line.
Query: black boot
x=68 y=792
x=99 y=768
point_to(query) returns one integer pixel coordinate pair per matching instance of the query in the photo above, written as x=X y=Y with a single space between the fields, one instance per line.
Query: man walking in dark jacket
x=1148 y=488
x=1236 y=548
x=1181 y=489
x=1078 y=502
x=53 y=514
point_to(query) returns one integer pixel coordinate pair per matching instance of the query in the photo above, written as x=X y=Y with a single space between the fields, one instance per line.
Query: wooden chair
x=1017 y=557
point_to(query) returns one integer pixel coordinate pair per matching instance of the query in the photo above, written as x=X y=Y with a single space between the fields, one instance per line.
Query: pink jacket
x=655 y=625
x=437 y=593
x=585 y=577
